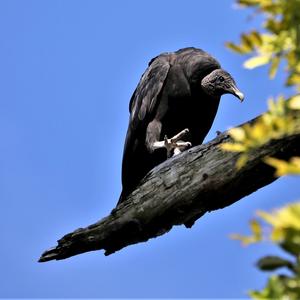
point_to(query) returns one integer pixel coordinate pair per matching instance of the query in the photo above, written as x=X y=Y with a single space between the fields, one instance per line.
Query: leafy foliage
x=272 y=263
x=277 y=122
x=278 y=41
x=256 y=234
x=277 y=45
x=283 y=229
x=283 y=167
x=279 y=287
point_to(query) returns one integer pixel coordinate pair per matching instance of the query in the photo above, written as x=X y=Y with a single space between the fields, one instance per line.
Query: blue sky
x=67 y=72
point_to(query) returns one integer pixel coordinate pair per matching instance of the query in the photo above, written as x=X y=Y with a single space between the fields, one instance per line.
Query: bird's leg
x=173 y=144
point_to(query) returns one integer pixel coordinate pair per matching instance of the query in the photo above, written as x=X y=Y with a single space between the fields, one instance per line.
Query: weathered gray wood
x=179 y=191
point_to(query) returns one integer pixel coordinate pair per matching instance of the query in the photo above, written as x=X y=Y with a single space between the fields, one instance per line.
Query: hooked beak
x=236 y=92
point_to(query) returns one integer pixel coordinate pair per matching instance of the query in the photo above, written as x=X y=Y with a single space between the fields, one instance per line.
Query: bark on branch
x=179 y=191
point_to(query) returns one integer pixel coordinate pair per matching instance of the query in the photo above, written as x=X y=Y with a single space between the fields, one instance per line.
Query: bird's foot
x=175 y=145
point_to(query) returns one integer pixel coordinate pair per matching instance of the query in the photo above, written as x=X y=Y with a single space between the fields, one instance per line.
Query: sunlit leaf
x=237 y=133
x=256 y=38
x=274 y=66
x=294 y=103
x=233 y=147
x=271 y=105
x=256 y=61
x=248 y=2
x=246 y=42
x=256 y=229
x=277 y=234
x=289 y=216
x=276 y=44
x=283 y=167
x=273 y=25
x=275 y=289
x=256 y=234
x=293 y=79
x=278 y=164
x=242 y=160
x=245 y=240
x=236 y=48
x=269 y=218
x=258 y=131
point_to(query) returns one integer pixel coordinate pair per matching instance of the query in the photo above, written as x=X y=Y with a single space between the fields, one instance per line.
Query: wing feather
x=145 y=96
x=142 y=108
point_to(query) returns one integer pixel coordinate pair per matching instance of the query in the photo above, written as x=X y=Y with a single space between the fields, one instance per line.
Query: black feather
x=168 y=99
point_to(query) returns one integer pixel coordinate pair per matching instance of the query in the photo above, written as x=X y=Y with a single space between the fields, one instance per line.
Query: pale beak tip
x=240 y=95
x=237 y=93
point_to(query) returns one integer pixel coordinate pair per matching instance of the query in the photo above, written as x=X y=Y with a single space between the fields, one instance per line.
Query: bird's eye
x=221 y=78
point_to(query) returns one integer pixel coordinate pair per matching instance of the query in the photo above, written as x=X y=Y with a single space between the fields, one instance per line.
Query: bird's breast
x=195 y=113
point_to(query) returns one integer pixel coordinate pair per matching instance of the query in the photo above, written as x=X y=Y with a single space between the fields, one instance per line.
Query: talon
x=183 y=145
x=166 y=140
x=174 y=144
x=180 y=135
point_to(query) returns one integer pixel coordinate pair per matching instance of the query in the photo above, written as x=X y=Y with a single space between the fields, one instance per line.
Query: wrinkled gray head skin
x=220 y=82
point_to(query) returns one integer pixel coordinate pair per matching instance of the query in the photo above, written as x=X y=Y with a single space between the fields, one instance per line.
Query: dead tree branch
x=179 y=191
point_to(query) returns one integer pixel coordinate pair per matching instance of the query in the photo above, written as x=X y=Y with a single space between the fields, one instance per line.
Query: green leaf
x=271 y=263
x=248 y=2
x=274 y=66
x=274 y=290
x=246 y=42
x=291 y=241
x=256 y=229
x=232 y=46
x=255 y=38
x=242 y=160
x=273 y=25
x=236 y=48
x=293 y=79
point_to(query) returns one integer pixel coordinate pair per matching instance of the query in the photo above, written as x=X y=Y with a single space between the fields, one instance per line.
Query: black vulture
x=172 y=108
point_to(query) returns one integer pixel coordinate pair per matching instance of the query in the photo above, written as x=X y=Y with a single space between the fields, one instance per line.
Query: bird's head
x=220 y=82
